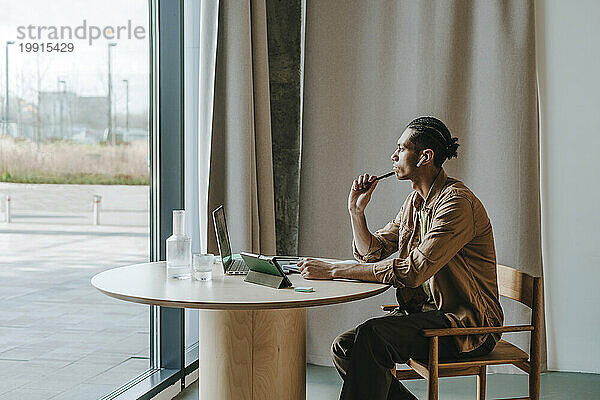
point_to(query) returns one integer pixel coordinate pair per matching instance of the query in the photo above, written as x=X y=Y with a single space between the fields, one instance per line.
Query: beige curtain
x=370 y=67
x=241 y=167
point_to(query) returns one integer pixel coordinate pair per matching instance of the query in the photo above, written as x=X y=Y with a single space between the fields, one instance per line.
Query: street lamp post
x=60 y=104
x=6 y=106
x=110 y=130
x=126 y=81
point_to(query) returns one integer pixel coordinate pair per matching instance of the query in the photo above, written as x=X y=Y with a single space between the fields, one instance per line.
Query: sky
x=85 y=69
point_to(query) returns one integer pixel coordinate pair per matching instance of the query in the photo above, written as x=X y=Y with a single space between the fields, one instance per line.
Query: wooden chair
x=513 y=284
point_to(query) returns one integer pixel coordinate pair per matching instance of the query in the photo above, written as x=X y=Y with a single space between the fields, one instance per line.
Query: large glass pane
x=74 y=194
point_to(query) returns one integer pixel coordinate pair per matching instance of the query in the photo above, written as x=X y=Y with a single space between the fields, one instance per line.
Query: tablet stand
x=260 y=278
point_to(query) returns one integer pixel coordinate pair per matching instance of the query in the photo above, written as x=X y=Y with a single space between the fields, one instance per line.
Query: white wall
x=568 y=56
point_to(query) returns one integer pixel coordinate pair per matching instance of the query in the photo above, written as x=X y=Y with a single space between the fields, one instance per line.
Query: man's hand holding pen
x=360 y=193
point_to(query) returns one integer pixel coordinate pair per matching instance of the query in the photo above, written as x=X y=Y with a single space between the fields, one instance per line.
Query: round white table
x=252 y=339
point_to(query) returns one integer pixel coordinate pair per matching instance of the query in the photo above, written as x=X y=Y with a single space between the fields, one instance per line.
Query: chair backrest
x=526 y=289
x=518 y=285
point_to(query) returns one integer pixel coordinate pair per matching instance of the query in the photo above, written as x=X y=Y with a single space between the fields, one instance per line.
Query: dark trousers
x=365 y=355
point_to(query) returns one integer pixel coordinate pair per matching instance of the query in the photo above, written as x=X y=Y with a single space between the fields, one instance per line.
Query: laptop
x=231 y=266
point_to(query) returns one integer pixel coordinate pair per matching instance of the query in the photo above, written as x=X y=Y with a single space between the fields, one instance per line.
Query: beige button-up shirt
x=456 y=255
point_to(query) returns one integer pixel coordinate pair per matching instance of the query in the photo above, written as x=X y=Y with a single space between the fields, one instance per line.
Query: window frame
x=168 y=369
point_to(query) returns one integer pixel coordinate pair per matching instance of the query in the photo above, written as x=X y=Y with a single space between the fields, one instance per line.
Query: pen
x=377 y=178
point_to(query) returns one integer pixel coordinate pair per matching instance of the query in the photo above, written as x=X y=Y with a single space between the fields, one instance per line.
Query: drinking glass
x=202 y=266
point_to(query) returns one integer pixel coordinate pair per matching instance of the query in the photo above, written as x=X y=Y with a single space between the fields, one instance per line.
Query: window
x=75 y=194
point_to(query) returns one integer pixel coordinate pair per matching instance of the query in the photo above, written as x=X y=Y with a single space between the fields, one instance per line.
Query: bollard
x=8 y=217
x=97 y=200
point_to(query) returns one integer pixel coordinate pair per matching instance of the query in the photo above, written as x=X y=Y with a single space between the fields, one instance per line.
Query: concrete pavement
x=59 y=337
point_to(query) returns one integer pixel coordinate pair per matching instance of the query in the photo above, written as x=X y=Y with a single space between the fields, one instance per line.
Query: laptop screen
x=222 y=236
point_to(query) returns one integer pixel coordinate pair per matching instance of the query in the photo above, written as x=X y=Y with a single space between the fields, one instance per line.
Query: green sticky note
x=304 y=289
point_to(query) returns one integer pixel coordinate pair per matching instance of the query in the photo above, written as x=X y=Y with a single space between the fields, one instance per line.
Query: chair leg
x=536 y=340
x=534 y=382
x=481 y=383
x=432 y=393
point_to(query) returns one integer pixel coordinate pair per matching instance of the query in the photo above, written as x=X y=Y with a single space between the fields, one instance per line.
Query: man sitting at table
x=445 y=272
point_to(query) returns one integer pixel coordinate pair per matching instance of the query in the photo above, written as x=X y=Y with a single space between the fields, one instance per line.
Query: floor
x=60 y=338
x=323 y=383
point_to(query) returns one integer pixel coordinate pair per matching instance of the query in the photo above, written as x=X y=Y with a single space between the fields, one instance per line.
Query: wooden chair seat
x=503 y=353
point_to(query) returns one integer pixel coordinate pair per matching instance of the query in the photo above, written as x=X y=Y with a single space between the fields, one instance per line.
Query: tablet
x=265 y=265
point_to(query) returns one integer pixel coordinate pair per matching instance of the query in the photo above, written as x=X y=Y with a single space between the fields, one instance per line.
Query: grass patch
x=76 y=179
x=64 y=162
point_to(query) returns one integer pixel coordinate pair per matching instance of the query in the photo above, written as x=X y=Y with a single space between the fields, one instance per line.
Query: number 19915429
x=47 y=47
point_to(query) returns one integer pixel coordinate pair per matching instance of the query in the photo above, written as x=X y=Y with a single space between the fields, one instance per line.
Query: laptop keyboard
x=238 y=266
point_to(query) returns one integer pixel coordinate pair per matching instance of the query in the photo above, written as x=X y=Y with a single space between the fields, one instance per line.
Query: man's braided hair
x=431 y=133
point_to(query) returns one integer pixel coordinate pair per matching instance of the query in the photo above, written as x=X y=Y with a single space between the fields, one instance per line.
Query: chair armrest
x=475 y=331
x=389 y=307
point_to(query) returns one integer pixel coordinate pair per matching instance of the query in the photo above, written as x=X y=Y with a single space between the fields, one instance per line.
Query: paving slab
x=57 y=332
